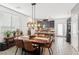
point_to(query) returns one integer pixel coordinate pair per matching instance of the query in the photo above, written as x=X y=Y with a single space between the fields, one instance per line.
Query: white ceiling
x=43 y=10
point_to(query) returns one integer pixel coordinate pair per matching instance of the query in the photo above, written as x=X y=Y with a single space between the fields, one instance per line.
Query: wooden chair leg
x=49 y=51
x=16 y=51
x=22 y=52
x=42 y=51
x=25 y=52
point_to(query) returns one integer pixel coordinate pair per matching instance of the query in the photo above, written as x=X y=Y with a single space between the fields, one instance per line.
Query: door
x=60 y=29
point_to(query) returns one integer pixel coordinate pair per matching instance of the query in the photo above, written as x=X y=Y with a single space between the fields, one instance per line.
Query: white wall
x=61 y=21
x=74 y=27
x=74 y=31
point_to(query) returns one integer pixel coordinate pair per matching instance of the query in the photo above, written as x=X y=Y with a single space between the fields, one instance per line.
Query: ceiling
x=43 y=10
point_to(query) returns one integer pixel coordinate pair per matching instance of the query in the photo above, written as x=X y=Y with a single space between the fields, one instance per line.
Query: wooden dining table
x=39 y=40
x=50 y=34
x=35 y=40
x=46 y=33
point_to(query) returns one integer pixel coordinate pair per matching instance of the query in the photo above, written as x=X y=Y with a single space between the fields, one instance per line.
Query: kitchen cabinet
x=68 y=36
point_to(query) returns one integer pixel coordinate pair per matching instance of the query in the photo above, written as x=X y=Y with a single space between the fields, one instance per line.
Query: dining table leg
x=39 y=49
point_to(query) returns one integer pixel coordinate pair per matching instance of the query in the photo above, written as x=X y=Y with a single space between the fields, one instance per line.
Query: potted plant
x=7 y=33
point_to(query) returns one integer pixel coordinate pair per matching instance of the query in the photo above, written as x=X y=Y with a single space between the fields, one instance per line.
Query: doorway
x=60 y=30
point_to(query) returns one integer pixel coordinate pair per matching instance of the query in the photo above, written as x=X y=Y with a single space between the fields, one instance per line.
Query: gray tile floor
x=60 y=47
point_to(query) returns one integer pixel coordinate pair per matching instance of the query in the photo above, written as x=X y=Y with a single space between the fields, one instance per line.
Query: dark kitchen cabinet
x=48 y=24
x=51 y=24
x=68 y=36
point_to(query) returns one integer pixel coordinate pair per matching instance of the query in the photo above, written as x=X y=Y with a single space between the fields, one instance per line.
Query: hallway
x=60 y=47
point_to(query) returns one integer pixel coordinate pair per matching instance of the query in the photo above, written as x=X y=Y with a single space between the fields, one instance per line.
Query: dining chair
x=19 y=44
x=29 y=48
x=49 y=46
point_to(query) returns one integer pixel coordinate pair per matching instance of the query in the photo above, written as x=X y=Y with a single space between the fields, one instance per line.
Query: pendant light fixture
x=33 y=22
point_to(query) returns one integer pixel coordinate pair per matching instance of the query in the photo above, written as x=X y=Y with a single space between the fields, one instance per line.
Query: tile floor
x=60 y=47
